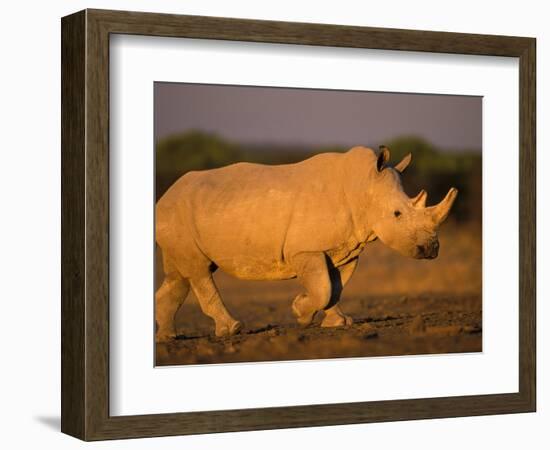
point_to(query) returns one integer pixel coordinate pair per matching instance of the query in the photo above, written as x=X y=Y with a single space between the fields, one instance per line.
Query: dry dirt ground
x=400 y=306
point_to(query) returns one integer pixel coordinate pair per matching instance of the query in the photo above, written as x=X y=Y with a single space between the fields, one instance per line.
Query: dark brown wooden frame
x=85 y=224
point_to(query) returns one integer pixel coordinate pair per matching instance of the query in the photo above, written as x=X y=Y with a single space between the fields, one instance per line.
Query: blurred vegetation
x=431 y=169
x=438 y=171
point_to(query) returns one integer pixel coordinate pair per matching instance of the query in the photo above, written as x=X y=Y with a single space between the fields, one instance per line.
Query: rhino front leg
x=212 y=305
x=334 y=317
x=312 y=272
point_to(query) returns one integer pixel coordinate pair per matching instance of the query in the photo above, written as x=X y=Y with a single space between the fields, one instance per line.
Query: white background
x=136 y=387
x=30 y=170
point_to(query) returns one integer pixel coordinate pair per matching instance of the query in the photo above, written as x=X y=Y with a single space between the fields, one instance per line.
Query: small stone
x=370 y=334
x=204 y=349
x=447 y=330
x=230 y=348
x=471 y=329
x=417 y=325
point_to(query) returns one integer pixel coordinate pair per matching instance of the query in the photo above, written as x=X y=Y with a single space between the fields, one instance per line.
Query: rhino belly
x=250 y=268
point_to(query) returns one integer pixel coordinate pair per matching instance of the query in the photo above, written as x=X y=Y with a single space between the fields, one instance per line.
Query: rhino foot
x=164 y=332
x=336 y=320
x=229 y=329
x=164 y=337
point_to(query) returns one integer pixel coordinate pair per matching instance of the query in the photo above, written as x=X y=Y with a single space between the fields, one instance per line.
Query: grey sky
x=316 y=117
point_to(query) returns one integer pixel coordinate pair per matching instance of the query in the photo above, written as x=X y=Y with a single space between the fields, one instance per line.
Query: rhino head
x=405 y=224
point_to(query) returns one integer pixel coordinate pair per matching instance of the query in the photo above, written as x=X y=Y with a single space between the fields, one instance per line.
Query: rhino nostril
x=420 y=250
x=434 y=250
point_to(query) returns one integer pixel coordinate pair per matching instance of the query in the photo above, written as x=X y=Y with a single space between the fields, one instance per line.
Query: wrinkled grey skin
x=308 y=220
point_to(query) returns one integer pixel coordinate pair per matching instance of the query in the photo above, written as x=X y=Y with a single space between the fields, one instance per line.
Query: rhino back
x=251 y=218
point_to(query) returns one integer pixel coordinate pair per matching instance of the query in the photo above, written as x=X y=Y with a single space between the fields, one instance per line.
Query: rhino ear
x=402 y=165
x=383 y=157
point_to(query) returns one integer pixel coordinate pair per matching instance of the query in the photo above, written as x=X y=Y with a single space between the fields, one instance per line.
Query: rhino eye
x=397 y=213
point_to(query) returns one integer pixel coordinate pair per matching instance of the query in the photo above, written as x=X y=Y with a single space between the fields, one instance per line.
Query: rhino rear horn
x=383 y=157
x=402 y=165
x=441 y=210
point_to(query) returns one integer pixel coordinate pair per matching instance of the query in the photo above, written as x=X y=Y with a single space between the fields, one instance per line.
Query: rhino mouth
x=427 y=251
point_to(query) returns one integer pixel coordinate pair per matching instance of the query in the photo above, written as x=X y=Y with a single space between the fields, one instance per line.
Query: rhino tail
x=158 y=267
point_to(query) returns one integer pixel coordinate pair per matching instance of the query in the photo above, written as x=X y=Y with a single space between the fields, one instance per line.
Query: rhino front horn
x=441 y=210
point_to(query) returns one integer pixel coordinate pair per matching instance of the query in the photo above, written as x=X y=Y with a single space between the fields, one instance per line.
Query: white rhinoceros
x=308 y=220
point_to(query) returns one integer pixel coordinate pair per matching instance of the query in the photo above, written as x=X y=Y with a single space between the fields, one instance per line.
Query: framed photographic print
x=271 y=224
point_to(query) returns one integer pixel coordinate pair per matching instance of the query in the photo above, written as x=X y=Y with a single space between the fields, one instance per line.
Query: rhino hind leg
x=334 y=317
x=312 y=272
x=168 y=300
x=211 y=304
